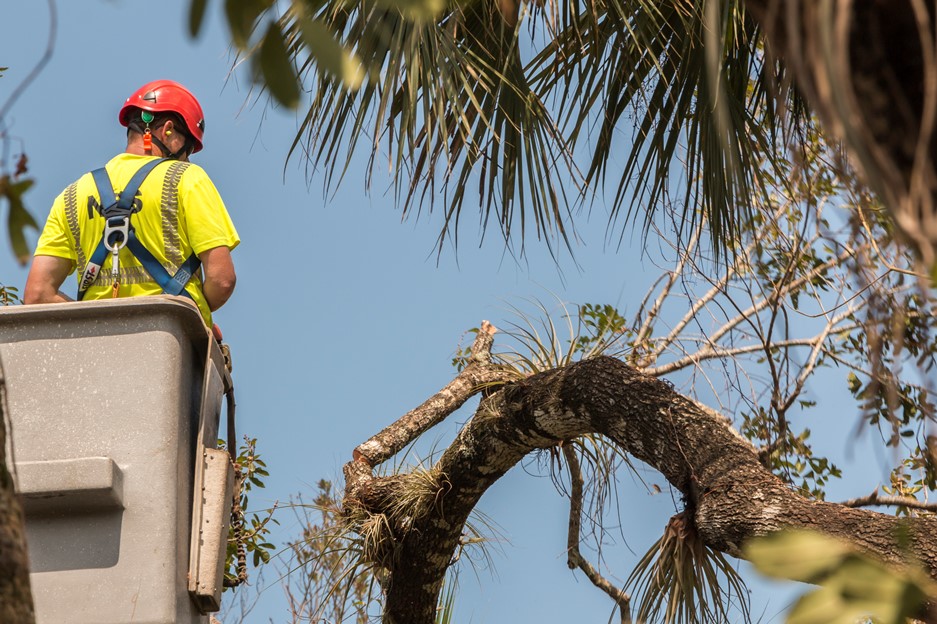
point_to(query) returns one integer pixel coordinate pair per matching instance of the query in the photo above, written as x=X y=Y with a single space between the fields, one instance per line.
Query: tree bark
x=16 y=603
x=728 y=493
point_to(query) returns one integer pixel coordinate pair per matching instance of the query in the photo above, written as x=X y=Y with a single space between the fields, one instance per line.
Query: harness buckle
x=116 y=233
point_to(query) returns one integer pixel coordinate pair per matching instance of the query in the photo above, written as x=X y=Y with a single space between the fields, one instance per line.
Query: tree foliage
x=852 y=586
x=817 y=286
x=684 y=110
x=658 y=103
x=249 y=530
x=14 y=183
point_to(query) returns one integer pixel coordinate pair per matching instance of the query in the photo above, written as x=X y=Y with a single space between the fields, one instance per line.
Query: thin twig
x=672 y=276
x=878 y=251
x=717 y=288
x=574 y=558
x=710 y=353
x=810 y=365
x=33 y=74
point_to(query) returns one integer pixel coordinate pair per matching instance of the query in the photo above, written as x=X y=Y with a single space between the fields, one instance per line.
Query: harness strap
x=171 y=284
x=118 y=209
x=123 y=206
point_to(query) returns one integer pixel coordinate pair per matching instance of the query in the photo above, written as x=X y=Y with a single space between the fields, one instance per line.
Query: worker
x=154 y=237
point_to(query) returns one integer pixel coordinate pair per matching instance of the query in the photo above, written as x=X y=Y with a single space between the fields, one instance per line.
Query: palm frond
x=681 y=580
x=451 y=99
x=465 y=109
x=446 y=609
x=693 y=82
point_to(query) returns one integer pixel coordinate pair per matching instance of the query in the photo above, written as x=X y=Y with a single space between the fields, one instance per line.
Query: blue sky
x=342 y=320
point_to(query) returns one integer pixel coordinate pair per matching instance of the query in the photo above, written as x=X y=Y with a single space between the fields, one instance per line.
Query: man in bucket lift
x=148 y=221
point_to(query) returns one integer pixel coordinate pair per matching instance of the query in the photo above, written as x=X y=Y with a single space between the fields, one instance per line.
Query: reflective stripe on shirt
x=169 y=210
x=71 y=215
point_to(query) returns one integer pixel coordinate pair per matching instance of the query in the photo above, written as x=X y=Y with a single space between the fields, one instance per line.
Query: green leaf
x=860 y=588
x=196 y=16
x=277 y=69
x=415 y=10
x=853 y=382
x=18 y=218
x=242 y=18
x=852 y=586
x=798 y=555
x=823 y=605
x=330 y=54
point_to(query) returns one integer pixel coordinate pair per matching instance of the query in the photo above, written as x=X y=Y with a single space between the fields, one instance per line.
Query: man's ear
x=168 y=127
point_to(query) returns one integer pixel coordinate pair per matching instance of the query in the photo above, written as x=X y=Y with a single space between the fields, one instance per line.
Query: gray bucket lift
x=114 y=410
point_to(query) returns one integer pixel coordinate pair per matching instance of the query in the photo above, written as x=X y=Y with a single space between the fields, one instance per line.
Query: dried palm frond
x=682 y=580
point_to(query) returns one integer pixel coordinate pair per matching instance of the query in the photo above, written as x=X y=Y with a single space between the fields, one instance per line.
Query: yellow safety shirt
x=177 y=211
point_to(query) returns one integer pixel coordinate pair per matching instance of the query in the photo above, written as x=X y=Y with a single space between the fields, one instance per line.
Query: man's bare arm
x=46 y=275
x=218 y=269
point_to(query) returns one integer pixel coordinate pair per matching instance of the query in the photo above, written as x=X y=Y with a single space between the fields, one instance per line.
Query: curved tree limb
x=728 y=493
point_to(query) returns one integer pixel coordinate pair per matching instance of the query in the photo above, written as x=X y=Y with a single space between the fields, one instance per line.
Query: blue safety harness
x=118 y=232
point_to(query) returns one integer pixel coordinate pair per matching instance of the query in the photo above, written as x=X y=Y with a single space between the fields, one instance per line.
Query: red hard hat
x=166 y=96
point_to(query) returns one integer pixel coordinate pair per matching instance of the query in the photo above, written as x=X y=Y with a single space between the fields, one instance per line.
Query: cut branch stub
x=479 y=373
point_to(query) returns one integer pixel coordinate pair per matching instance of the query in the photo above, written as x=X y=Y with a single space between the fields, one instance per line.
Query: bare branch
x=711 y=353
x=874 y=499
x=644 y=331
x=810 y=365
x=787 y=289
x=574 y=558
x=860 y=212
x=718 y=287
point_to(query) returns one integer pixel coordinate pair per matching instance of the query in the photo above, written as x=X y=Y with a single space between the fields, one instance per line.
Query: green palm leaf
x=664 y=103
